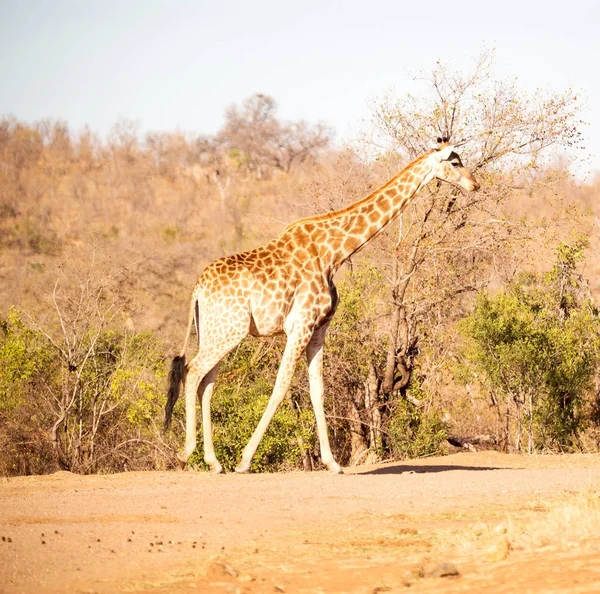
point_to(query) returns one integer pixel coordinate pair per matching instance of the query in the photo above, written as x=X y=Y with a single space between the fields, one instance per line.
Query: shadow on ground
x=425 y=469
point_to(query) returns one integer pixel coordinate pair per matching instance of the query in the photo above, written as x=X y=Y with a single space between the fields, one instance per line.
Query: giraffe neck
x=350 y=229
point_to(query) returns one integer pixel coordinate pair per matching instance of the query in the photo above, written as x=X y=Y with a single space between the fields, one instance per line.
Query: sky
x=177 y=65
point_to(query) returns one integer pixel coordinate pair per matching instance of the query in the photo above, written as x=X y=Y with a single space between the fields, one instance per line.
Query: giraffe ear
x=443 y=154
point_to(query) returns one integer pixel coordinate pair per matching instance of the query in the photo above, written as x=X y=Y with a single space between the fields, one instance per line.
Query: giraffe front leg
x=293 y=350
x=314 y=356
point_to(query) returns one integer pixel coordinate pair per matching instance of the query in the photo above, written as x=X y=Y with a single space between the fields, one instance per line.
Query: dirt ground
x=480 y=522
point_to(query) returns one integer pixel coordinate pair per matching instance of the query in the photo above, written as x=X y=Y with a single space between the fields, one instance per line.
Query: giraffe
x=286 y=286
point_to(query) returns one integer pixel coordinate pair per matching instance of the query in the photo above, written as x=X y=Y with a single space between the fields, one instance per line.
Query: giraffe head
x=447 y=166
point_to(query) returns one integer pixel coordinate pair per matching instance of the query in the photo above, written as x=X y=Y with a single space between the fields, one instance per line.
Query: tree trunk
x=518 y=436
x=530 y=442
x=399 y=329
x=358 y=442
x=372 y=406
x=307 y=462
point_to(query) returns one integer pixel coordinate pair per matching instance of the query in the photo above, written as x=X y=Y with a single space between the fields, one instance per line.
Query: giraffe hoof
x=335 y=469
x=242 y=469
x=218 y=469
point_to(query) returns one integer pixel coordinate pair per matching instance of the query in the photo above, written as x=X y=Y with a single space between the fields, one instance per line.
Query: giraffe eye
x=455 y=164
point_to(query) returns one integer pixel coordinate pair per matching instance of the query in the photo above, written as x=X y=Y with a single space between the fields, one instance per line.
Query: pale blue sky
x=178 y=65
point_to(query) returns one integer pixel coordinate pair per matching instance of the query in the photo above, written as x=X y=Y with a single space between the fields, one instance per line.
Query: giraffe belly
x=265 y=322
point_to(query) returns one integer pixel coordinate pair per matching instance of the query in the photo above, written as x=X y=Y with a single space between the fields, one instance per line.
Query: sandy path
x=157 y=531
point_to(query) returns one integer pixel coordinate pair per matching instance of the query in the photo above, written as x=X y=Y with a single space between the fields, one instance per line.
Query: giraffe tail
x=178 y=368
x=176 y=379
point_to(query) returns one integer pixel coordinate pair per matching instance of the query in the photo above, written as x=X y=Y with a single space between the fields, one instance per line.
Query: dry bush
x=80 y=389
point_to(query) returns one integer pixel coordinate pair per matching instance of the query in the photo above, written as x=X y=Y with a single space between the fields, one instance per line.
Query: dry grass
x=556 y=524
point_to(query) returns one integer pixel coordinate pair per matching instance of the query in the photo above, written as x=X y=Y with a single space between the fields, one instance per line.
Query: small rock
x=245 y=577
x=229 y=570
x=479 y=529
x=219 y=569
x=438 y=570
x=501 y=529
x=499 y=550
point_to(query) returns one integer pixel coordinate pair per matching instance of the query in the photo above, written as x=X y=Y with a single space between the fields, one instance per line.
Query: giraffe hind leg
x=200 y=380
x=199 y=384
x=195 y=384
x=209 y=451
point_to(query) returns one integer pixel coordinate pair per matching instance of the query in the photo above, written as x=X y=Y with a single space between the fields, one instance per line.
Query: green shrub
x=537 y=346
x=91 y=406
x=415 y=431
x=24 y=358
x=27 y=367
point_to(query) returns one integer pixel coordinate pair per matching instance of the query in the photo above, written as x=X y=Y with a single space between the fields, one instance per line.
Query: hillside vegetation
x=472 y=319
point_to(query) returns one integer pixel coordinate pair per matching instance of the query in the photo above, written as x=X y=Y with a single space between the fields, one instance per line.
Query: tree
x=261 y=142
x=450 y=244
x=537 y=346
